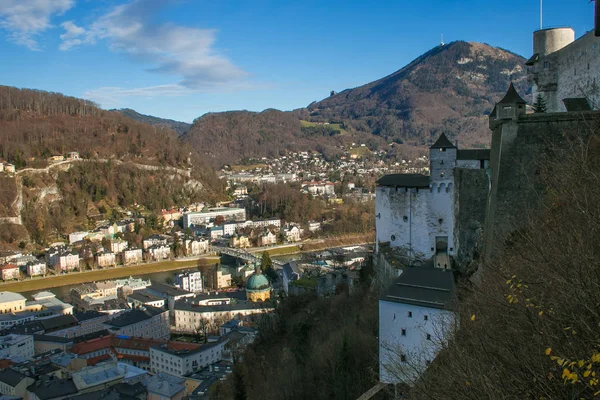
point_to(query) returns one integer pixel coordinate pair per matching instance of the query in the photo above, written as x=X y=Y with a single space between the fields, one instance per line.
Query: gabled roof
x=512 y=96
x=423 y=286
x=404 y=180
x=11 y=377
x=533 y=59
x=443 y=143
x=473 y=154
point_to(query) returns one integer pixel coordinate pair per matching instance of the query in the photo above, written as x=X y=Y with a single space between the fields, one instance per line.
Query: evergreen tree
x=266 y=262
x=540 y=105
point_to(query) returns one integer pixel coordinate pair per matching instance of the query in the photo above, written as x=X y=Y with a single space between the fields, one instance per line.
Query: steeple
x=443 y=143
x=511 y=107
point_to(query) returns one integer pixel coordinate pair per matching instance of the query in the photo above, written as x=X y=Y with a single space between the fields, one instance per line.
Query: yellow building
x=258 y=287
x=11 y=302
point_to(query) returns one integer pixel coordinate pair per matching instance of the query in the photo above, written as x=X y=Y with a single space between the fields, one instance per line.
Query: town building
x=163 y=386
x=319 y=188
x=14 y=383
x=239 y=241
x=190 y=281
x=267 y=238
x=146 y=322
x=132 y=256
x=46 y=343
x=216 y=278
x=169 y=293
x=188 y=314
x=62 y=260
x=118 y=245
x=183 y=362
x=201 y=218
x=291 y=233
x=48 y=387
x=142 y=298
x=155 y=240
x=416 y=318
x=9 y=272
x=195 y=247
x=49 y=301
x=16 y=347
x=36 y=268
x=105 y=259
x=159 y=252
x=75 y=237
x=11 y=302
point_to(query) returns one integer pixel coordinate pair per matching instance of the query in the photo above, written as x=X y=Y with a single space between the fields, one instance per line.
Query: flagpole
x=541 y=13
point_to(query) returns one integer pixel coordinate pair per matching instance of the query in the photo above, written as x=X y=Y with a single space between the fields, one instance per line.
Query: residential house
x=9 y=168
x=292 y=233
x=215 y=278
x=239 y=241
x=195 y=247
x=159 y=252
x=11 y=302
x=190 y=281
x=141 y=298
x=118 y=245
x=36 y=268
x=155 y=240
x=105 y=259
x=132 y=256
x=9 y=272
x=73 y=155
x=267 y=238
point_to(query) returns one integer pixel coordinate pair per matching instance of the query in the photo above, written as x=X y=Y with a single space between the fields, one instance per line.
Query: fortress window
x=403 y=332
x=442 y=162
x=425 y=317
x=442 y=149
x=393 y=238
x=441 y=174
x=440 y=221
x=410 y=314
x=428 y=336
x=405 y=218
x=546 y=64
x=451 y=249
x=402 y=358
x=588 y=66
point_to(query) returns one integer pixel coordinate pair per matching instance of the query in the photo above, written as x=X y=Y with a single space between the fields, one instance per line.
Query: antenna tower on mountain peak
x=442 y=40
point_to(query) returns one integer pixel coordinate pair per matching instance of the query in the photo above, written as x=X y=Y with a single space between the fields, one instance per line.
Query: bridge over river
x=242 y=255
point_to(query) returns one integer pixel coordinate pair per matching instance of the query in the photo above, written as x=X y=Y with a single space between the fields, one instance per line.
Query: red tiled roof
x=95 y=360
x=135 y=343
x=91 y=345
x=8 y=266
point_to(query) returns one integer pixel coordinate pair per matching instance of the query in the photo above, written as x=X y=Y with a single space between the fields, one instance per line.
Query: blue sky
x=182 y=58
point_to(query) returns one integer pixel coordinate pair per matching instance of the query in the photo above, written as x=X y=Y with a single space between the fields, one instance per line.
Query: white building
x=195 y=247
x=13 y=383
x=415 y=213
x=36 y=268
x=132 y=256
x=416 y=319
x=319 y=188
x=77 y=237
x=67 y=261
x=190 y=281
x=200 y=218
x=183 y=362
x=188 y=315
x=106 y=259
x=146 y=322
x=267 y=238
x=154 y=240
x=118 y=245
x=142 y=298
x=292 y=233
x=16 y=347
x=159 y=252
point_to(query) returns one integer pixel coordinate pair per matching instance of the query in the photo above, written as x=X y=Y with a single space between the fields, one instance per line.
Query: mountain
x=177 y=126
x=449 y=89
x=125 y=164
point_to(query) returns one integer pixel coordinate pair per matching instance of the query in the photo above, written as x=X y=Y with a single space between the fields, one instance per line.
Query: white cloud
x=24 y=20
x=185 y=52
x=110 y=97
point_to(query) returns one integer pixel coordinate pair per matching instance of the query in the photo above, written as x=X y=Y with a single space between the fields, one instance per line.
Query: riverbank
x=101 y=275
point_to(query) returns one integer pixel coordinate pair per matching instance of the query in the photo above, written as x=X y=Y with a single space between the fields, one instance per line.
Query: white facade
x=36 y=268
x=292 y=234
x=195 y=247
x=132 y=256
x=185 y=362
x=200 y=218
x=16 y=346
x=190 y=281
x=153 y=327
x=159 y=252
x=410 y=336
x=188 y=318
x=106 y=259
x=77 y=237
x=117 y=246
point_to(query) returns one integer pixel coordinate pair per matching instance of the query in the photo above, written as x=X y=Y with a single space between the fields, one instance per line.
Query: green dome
x=257 y=282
